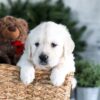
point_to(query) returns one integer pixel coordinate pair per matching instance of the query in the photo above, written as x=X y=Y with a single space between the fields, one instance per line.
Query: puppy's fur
x=54 y=43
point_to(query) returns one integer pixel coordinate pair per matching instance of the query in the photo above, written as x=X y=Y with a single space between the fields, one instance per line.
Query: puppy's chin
x=50 y=65
x=43 y=67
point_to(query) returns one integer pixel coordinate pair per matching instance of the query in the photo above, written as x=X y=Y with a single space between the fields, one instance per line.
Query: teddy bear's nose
x=12 y=28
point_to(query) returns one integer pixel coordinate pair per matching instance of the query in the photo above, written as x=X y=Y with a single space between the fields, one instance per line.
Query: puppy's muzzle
x=43 y=59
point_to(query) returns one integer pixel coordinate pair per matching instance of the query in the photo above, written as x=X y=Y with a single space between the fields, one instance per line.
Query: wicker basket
x=11 y=88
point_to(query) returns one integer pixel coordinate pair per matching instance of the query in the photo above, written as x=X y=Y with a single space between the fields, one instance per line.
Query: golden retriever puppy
x=48 y=46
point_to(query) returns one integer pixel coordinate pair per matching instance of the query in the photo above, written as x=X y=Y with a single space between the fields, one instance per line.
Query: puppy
x=48 y=46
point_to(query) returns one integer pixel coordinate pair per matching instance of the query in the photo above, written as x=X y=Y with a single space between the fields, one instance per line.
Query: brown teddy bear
x=13 y=33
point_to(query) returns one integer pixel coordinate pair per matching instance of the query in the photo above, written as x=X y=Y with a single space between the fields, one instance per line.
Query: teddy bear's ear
x=9 y=18
x=24 y=25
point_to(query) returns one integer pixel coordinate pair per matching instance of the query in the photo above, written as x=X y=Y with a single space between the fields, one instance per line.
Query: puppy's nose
x=43 y=58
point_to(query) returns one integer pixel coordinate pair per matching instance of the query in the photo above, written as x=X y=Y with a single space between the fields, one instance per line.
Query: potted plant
x=88 y=81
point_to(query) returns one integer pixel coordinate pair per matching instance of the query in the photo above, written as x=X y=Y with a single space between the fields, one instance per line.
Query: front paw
x=56 y=79
x=27 y=75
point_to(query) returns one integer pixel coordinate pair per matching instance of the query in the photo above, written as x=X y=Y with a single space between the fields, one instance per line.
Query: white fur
x=60 y=58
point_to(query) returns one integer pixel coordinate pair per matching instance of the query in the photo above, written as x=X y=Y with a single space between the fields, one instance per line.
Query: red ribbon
x=19 y=46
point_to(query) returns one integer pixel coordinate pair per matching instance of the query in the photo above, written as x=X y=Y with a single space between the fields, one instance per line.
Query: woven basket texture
x=11 y=88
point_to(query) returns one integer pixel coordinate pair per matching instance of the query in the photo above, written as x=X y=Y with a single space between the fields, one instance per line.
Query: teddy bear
x=13 y=33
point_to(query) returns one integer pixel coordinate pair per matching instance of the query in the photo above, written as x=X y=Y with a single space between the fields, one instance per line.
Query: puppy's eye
x=37 y=44
x=53 y=45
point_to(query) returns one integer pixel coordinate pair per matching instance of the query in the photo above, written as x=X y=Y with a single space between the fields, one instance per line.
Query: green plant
x=36 y=13
x=88 y=75
x=3 y=10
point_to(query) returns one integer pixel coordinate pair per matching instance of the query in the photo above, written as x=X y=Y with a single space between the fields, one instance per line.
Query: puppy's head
x=48 y=43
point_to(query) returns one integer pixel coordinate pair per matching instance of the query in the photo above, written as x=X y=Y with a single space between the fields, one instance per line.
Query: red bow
x=19 y=46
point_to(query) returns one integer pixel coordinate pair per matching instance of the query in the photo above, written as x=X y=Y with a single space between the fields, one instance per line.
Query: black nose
x=43 y=58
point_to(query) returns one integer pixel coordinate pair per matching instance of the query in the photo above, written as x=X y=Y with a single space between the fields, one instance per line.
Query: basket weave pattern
x=11 y=88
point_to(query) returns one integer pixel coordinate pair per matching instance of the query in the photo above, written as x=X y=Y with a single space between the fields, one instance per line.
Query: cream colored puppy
x=48 y=46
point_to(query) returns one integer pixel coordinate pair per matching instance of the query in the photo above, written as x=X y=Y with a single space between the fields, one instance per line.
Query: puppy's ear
x=68 y=45
x=28 y=48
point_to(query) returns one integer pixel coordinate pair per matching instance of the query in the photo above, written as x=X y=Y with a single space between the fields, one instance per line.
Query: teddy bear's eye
x=37 y=44
x=53 y=45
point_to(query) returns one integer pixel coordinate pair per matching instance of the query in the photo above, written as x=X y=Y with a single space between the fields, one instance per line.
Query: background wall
x=88 y=12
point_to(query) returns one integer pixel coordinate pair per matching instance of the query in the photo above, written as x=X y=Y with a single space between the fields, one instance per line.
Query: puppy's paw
x=57 y=79
x=27 y=75
x=74 y=83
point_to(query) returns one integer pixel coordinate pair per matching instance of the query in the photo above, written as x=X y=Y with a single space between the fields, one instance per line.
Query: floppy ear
x=68 y=45
x=28 y=48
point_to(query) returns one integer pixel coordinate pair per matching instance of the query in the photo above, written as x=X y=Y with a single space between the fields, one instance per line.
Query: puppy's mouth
x=43 y=63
